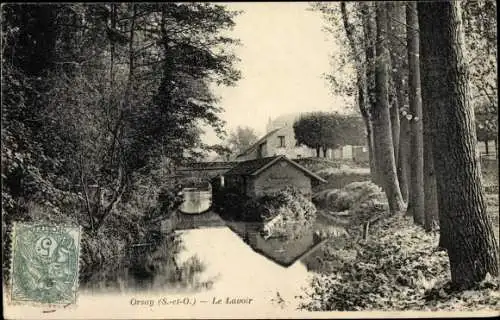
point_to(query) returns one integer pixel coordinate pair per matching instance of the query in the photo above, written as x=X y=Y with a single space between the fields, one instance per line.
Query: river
x=239 y=271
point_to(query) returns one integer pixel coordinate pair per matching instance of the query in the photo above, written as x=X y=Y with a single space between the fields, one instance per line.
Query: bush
x=398 y=269
x=333 y=199
x=289 y=210
x=288 y=214
x=364 y=200
x=337 y=179
x=343 y=199
x=372 y=204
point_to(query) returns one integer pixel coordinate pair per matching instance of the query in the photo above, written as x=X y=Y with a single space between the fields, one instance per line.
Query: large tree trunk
x=416 y=201
x=369 y=29
x=400 y=126
x=393 y=77
x=403 y=167
x=430 y=189
x=371 y=151
x=432 y=216
x=381 y=117
x=395 y=124
x=361 y=83
x=429 y=94
x=471 y=245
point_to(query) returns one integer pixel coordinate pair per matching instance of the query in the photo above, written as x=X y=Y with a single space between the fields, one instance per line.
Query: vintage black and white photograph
x=249 y=159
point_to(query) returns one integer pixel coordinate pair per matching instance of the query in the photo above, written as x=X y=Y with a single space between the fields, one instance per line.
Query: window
x=282 y=141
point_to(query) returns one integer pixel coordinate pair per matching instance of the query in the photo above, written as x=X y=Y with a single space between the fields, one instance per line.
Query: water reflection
x=155 y=271
x=227 y=258
x=239 y=270
x=282 y=251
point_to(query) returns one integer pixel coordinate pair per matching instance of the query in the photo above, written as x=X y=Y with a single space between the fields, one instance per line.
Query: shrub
x=337 y=179
x=110 y=254
x=288 y=214
x=398 y=269
x=294 y=213
x=372 y=202
x=347 y=197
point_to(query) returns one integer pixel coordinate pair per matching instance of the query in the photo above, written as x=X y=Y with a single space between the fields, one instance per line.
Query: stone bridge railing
x=204 y=170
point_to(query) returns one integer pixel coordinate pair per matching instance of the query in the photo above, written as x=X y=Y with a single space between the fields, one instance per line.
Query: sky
x=284 y=54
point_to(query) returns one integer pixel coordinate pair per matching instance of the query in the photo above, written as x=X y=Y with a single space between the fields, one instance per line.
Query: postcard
x=249 y=160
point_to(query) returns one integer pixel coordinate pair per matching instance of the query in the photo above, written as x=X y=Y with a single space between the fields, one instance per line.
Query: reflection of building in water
x=284 y=252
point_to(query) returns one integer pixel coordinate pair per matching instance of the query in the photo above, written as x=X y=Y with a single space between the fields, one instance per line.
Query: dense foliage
x=359 y=202
x=480 y=24
x=322 y=131
x=100 y=102
x=285 y=214
x=241 y=139
x=347 y=197
x=398 y=269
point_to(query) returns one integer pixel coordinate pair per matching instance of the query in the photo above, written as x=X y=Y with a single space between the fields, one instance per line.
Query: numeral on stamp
x=45 y=261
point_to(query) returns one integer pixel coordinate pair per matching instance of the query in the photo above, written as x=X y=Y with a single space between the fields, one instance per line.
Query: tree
x=323 y=131
x=399 y=74
x=343 y=81
x=395 y=74
x=469 y=238
x=351 y=130
x=98 y=96
x=241 y=139
x=382 y=130
x=487 y=125
x=480 y=24
x=309 y=130
x=370 y=38
x=480 y=31
x=416 y=200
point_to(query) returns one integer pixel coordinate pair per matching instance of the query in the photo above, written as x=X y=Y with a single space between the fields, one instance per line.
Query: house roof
x=256 y=166
x=213 y=165
x=261 y=140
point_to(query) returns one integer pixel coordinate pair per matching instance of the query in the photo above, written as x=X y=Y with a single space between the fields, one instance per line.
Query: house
x=268 y=175
x=278 y=141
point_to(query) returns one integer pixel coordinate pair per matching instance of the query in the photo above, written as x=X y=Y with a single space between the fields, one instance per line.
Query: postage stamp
x=45 y=261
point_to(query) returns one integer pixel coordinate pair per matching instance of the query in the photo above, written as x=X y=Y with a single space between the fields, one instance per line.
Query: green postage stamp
x=45 y=260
